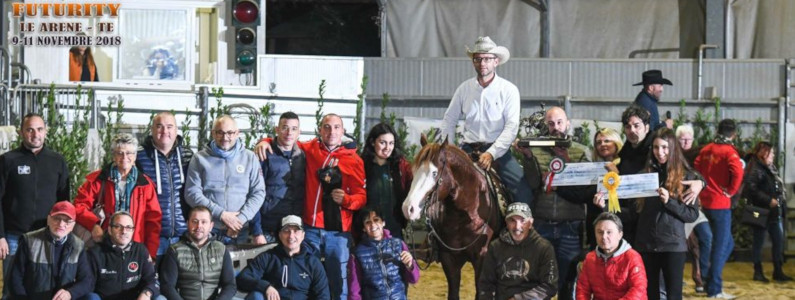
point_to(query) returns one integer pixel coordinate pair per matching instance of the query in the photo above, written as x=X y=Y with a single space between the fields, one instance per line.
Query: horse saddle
x=496 y=189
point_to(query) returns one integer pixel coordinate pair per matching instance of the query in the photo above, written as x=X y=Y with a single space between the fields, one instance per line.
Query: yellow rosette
x=611 y=182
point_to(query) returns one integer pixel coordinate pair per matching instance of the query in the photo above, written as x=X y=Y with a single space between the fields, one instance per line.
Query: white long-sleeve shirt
x=491 y=114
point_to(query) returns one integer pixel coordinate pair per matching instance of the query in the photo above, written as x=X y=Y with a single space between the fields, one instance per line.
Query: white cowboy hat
x=486 y=45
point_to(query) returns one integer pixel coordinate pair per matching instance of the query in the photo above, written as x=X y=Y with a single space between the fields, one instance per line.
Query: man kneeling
x=613 y=270
x=520 y=264
x=123 y=268
x=286 y=271
x=51 y=262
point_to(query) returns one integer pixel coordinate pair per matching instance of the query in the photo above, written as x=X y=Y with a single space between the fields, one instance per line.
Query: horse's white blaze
x=424 y=181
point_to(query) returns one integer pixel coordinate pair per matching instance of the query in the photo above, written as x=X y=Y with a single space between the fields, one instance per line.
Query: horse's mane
x=431 y=152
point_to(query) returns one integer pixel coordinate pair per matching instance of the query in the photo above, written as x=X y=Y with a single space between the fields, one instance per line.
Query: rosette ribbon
x=556 y=166
x=611 y=182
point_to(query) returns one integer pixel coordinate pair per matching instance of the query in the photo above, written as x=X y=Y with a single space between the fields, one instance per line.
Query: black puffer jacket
x=661 y=227
x=760 y=187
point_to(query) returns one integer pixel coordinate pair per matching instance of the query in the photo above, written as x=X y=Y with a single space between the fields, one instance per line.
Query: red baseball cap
x=63 y=208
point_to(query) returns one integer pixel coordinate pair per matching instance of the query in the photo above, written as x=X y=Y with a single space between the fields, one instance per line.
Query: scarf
x=123 y=196
x=719 y=139
x=225 y=154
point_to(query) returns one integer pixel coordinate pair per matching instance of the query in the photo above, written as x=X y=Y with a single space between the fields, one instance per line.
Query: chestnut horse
x=455 y=199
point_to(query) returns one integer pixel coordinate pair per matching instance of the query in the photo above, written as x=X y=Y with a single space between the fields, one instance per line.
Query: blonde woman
x=606 y=145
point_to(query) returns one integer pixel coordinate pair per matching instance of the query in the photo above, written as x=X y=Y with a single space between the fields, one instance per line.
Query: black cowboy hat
x=653 y=77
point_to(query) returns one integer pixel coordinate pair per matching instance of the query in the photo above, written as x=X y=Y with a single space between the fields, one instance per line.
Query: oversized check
x=580 y=174
x=635 y=186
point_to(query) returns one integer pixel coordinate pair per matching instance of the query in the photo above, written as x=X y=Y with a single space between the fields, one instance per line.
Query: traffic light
x=245 y=19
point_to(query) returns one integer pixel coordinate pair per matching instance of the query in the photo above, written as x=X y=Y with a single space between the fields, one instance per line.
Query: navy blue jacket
x=295 y=278
x=169 y=182
x=284 y=189
x=381 y=268
x=648 y=102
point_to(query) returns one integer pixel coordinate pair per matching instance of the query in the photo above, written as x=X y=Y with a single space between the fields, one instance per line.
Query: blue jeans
x=13 y=245
x=565 y=237
x=334 y=246
x=704 y=235
x=220 y=235
x=720 y=220
x=165 y=243
x=512 y=177
x=95 y=296
x=776 y=236
x=255 y=296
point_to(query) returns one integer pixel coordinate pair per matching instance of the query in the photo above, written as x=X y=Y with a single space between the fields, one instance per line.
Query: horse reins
x=433 y=198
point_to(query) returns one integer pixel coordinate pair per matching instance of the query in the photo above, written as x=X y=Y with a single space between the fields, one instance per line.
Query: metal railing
x=68 y=101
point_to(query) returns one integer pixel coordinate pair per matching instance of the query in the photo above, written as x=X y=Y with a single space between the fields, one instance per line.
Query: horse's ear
x=445 y=140
x=423 y=140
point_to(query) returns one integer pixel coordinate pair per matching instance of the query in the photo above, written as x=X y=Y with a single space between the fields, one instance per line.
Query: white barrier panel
x=418 y=126
x=300 y=76
x=8 y=134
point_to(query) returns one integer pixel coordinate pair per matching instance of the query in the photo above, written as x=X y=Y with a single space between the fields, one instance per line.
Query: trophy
x=537 y=133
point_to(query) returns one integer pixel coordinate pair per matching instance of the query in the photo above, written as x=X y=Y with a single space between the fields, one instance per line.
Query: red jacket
x=721 y=167
x=144 y=207
x=622 y=276
x=353 y=177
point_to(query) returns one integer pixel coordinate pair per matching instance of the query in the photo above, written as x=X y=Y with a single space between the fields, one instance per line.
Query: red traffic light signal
x=245 y=11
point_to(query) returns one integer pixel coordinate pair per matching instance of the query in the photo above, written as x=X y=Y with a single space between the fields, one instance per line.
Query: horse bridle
x=433 y=198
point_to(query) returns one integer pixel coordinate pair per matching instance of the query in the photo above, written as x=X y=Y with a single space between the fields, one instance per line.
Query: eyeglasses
x=480 y=59
x=63 y=220
x=123 y=153
x=225 y=133
x=121 y=227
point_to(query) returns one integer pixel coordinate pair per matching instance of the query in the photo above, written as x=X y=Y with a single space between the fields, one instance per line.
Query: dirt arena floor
x=736 y=277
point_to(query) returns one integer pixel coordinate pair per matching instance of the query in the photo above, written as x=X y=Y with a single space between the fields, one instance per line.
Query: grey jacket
x=233 y=184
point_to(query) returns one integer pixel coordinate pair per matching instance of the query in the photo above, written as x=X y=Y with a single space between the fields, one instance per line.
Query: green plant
x=261 y=124
x=148 y=129
x=360 y=118
x=702 y=129
x=69 y=140
x=111 y=127
x=321 y=91
x=585 y=137
x=596 y=126
x=400 y=128
x=384 y=101
x=185 y=128
x=682 y=117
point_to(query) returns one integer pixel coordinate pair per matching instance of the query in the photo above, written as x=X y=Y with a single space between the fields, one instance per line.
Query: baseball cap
x=518 y=209
x=292 y=220
x=63 y=208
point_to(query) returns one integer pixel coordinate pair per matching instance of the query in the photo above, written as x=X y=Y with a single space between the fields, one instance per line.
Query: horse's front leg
x=452 y=264
x=476 y=259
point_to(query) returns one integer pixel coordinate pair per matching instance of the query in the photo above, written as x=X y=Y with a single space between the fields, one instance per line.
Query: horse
x=461 y=214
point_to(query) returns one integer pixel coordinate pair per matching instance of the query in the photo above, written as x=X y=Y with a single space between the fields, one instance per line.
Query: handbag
x=755 y=216
x=98 y=210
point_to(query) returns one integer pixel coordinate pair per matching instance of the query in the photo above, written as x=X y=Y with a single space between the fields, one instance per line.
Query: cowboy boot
x=778 y=273
x=758 y=274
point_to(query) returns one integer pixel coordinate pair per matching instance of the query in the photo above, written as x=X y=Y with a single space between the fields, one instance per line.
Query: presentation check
x=635 y=186
x=580 y=174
